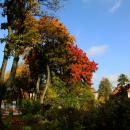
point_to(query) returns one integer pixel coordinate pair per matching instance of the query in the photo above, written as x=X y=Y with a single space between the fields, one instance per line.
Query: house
x=122 y=91
x=128 y=92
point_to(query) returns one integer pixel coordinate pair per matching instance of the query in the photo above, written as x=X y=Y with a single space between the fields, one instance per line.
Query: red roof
x=119 y=89
x=116 y=90
x=128 y=89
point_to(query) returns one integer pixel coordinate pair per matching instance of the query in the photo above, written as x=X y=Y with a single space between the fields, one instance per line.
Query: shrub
x=29 y=106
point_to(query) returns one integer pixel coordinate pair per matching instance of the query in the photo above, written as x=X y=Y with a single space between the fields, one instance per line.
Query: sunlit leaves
x=52 y=30
x=80 y=67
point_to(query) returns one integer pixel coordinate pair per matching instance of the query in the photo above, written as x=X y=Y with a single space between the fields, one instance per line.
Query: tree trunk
x=38 y=87
x=4 y=65
x=5 y=58
x=42 y=96
x=13 y=71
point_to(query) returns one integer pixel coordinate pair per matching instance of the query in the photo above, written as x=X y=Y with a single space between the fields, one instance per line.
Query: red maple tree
x=80 y=67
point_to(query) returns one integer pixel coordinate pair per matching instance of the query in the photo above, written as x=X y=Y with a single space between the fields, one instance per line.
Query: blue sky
x=102 y=30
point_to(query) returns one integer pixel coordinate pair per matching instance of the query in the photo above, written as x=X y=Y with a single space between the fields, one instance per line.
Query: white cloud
x=97 y=50
x=116 y=6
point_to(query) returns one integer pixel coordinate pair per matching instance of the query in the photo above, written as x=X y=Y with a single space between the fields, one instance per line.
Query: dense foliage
x=52 y=87
x=105 y=90
x=122 y=80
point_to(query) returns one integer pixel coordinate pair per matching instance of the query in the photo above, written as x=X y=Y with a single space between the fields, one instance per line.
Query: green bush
x=31 y=111
x=27 y=128
x=29 y=106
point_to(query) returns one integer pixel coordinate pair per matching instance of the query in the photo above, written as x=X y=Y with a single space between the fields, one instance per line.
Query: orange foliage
x=22 y=69
x=52 y=28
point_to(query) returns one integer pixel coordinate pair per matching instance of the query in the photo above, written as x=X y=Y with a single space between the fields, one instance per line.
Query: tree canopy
x=105 y=89
x=122 y=80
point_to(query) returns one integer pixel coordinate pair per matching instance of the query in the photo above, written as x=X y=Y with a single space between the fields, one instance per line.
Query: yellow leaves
x=32 y=30
x=7 y=75
x=79 y=90
x=51 y=93
x=71 y=39
x=34 y=6
x=30 y=22
x=46 y=30
x=29 y=36
x=101 y=100
x=22 y=69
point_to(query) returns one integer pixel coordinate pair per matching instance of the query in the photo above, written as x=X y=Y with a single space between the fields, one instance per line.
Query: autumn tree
x=105 y=89
x=26 y=29
x=7 y=9
x=16 y=11
x=57 y=52
x=48 y=53
x=13 y=10
x=78 y=66
x=20 y=32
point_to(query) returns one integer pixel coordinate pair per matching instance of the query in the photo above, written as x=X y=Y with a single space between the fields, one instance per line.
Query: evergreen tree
x=122 y=80
x=105 y=89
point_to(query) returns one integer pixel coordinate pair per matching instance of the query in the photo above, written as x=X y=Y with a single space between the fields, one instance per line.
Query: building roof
x=128 y=89
x=119 y=90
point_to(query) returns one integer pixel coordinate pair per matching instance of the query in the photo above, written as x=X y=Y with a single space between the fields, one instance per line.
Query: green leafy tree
x=114 y=114
x=105 y=89
x=21 y=25
x=26 y=34
x=22 y=30
x=15 y=11
x=122 y=80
